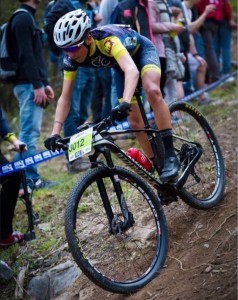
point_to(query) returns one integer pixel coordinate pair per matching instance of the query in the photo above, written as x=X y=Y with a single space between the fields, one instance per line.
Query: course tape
x=150 y=115
x=28 y=161
x=47 y=154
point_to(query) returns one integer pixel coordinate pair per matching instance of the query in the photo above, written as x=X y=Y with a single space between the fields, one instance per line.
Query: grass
x=50 y=203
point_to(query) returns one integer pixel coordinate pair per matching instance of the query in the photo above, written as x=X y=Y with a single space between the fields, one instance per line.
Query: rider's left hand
x=50 y=143
x=121 y=111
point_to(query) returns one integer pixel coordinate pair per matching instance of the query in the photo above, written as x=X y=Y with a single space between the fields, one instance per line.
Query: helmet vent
x=78 y=31
x=72 y=28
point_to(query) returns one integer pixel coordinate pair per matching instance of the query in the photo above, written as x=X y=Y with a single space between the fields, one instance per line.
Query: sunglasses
x=73 y=48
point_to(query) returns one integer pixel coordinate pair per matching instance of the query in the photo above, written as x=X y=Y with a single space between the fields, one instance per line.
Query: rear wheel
x=120 y=261
x=204 y=187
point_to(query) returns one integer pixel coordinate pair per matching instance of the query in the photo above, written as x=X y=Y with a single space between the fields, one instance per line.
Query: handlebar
x=99 y=127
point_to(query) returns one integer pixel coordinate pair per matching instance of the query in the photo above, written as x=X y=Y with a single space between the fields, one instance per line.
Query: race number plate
x=80 y=144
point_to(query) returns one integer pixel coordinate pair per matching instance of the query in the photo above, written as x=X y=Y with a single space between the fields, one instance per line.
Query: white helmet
x=72 y=28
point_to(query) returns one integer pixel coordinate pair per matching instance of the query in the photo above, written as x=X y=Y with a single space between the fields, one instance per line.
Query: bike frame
x=103 y=139
x=103 y=143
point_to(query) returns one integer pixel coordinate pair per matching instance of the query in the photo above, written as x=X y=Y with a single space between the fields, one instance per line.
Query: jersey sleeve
x=112 y=46
x=70 y=68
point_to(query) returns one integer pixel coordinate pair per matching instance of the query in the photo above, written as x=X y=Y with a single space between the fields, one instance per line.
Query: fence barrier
x=47 y=154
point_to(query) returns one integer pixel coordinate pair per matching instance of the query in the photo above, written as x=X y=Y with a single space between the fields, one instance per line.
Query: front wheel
x=204 y=187
x=120 y=261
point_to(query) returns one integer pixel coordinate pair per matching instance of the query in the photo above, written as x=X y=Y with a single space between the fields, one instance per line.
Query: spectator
x=31 y=86
x=117 y=47
x=208 y=31
x=198 y=66
x=83 y=83
x=105 y=10
x=222 y=42
x=165 y=33
x=101 y=100
x=178 y=16
x=9 y=187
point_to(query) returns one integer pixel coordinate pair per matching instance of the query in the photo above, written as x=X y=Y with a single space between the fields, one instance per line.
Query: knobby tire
x=207 y=191
x=123 y=262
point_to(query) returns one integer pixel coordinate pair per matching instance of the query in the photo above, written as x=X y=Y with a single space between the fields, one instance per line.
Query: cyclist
x=132 y=56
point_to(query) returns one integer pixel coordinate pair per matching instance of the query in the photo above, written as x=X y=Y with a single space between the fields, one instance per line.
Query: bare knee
x=136 y=124
x=202 y=67
x=153 y=95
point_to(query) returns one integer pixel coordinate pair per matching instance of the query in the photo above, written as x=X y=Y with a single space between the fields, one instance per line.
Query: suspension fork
x=118 y=189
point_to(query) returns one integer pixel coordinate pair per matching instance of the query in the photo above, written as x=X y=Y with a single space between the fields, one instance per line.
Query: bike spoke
x=204 y=184
x=123 y=256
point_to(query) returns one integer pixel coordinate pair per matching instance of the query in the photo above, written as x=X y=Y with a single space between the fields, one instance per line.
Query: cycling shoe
x=170 y=169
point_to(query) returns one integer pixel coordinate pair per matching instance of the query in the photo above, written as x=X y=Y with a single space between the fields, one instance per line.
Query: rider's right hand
x=50 y=143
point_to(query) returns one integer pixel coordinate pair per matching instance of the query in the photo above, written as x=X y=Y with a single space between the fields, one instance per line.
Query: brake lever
x=61 y=145
x=105 y=123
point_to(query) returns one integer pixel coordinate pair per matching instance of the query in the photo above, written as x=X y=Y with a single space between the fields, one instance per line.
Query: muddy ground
x=202 y=256
x=201 y=262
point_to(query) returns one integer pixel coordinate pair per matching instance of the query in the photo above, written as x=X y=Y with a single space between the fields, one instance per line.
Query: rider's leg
x=136 y=122
x=151 y=83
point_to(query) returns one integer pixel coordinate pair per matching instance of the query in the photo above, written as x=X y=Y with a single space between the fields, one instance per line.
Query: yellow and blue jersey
x=110 y=43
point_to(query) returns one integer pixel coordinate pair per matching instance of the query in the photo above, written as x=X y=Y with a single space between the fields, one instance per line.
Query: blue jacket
x=4 y=127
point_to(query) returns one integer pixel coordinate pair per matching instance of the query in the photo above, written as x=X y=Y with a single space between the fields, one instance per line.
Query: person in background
x=222 y=41
x=9 y=187
x=101 y=100
x=31 y=85
x=135 y=61
x=84 y=81
x=197 y=64
x=105 y=10
x=208 y=31
x=167 y=43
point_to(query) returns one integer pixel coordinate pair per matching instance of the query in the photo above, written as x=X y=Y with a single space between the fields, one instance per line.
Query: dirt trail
x=201 y=262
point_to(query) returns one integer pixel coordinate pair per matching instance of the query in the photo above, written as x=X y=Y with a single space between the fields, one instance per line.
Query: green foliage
x=50 y=203
x=83 y=208
x=47 y=245
x=233 y=5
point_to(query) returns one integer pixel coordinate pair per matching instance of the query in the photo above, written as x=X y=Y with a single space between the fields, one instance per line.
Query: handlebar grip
x=64 y=147
x=61 y=145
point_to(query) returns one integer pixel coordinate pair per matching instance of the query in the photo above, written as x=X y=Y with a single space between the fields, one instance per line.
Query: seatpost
x=152 y=139
x=141 y=107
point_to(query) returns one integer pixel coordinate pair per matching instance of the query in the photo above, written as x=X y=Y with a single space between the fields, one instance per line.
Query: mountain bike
x=114 y=221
